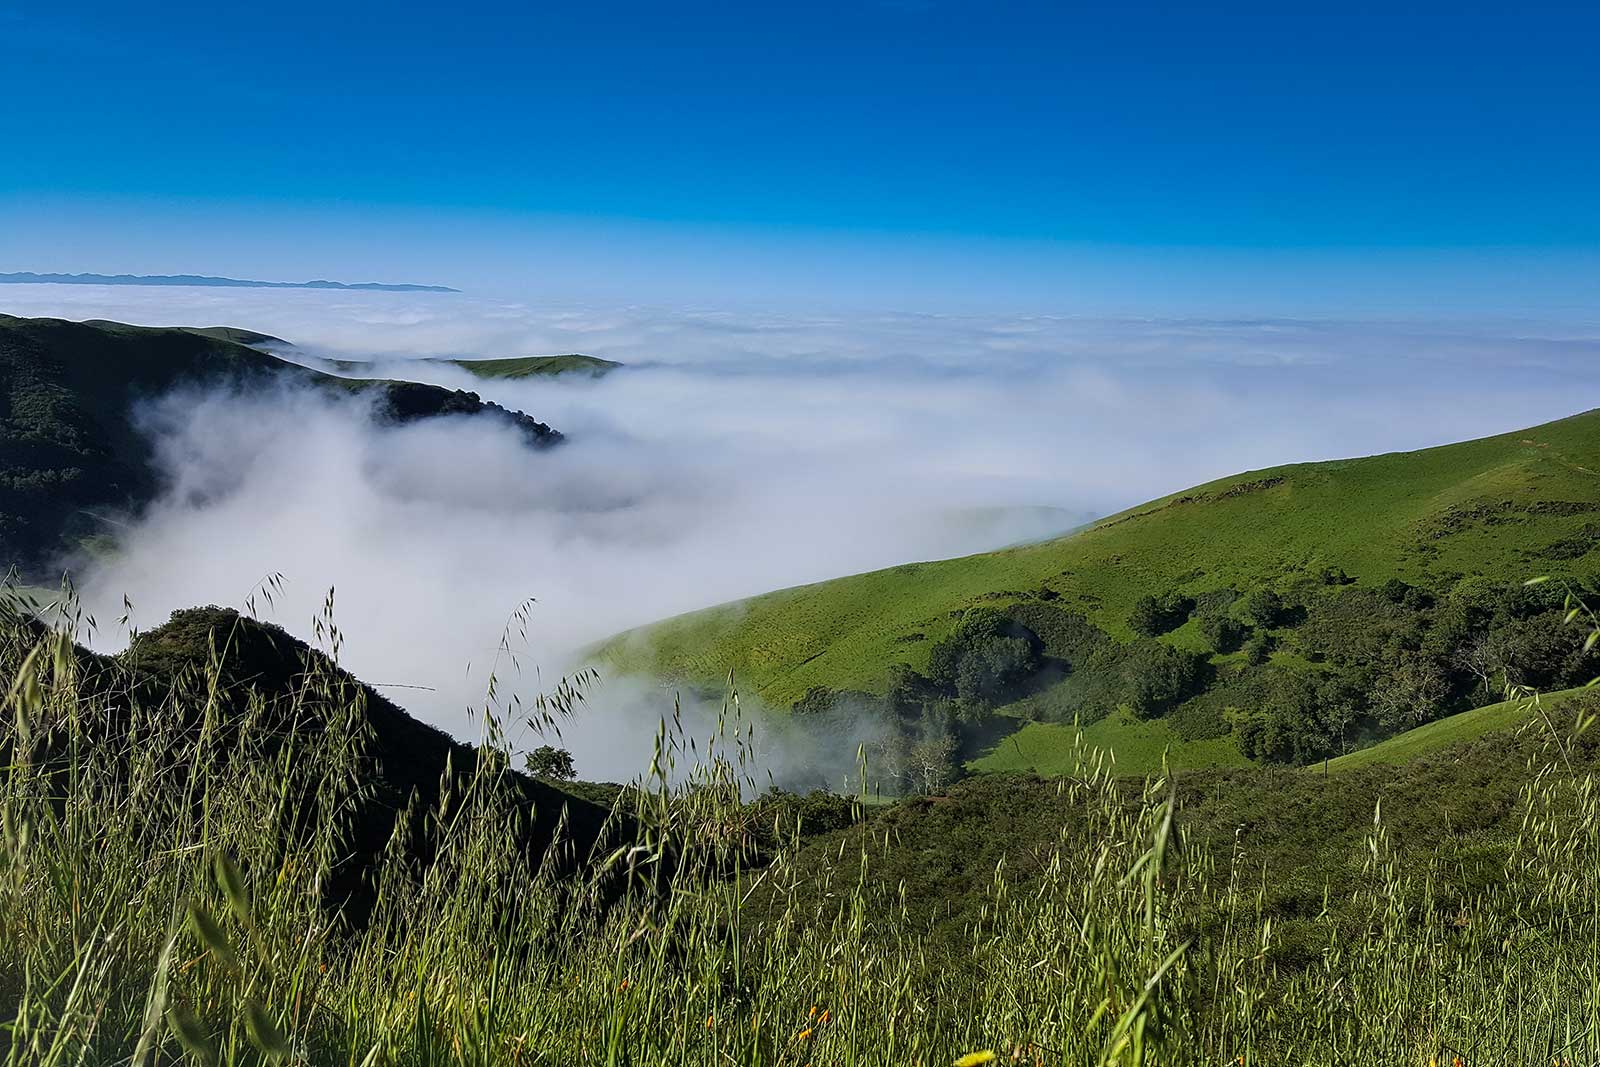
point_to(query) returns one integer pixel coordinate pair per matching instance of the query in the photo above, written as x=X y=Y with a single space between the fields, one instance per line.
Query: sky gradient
x=897 y=153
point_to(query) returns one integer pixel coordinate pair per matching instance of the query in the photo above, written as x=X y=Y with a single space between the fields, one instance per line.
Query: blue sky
x=1073 y=157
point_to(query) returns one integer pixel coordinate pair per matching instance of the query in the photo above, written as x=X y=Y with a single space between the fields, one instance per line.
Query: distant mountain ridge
x=30 y=278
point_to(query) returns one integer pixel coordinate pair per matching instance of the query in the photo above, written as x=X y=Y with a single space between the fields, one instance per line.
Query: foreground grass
x=163 y=899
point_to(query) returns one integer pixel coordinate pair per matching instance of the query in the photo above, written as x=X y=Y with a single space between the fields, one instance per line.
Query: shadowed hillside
x=247 y=693
x=70 y=455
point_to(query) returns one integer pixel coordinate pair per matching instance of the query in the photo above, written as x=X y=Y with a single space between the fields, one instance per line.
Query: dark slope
x=219 y=333
x=69 y=450
x=249 y=671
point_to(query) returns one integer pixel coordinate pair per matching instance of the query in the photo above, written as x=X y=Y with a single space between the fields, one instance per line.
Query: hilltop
x=69 y=449
x=509 y=369
x=537 y=366
x=1284 y=614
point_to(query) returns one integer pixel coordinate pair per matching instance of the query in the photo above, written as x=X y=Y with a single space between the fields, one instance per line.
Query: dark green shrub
x=1264 y=608
x=818 y=700
x=1156 y=676
x=987 y=656
x=1153 y=616
x=1063 y=635
x=1222 y=633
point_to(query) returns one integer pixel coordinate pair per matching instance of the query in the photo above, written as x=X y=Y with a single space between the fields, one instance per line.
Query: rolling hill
x=1412 y=548
x=537 y=366
x=1455 y=731
x=69 y=449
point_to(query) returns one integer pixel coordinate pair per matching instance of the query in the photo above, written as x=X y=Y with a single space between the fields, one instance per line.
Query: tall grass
x=164 y=897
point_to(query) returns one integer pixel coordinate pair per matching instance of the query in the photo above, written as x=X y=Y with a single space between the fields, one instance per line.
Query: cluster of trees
x=985 y=659
x=928 y=718
x=1153 y=616
x=1225 y=628
x=1361 y=664
x=1393 y=658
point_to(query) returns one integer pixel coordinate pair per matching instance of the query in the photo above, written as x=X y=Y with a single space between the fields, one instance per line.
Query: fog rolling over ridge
x=735 y=453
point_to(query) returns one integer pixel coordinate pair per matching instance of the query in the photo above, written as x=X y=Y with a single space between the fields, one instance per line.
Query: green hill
x=1502 y=718
x=536 y=366
x=1360 y=577
x=233 y=334
x=69 y=449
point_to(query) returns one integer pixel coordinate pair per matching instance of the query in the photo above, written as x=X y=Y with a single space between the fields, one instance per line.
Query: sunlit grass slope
x=1432 y=737
x=1138 y=747
x=1496 y=507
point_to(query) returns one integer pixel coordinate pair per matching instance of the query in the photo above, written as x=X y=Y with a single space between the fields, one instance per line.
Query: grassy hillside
x=69 y=451
x=1138 y=747
x=537 y=366
x=232 y=334
x=1503 y=718
x=1456 y=797
x=1323 y=537
x=1502 y=506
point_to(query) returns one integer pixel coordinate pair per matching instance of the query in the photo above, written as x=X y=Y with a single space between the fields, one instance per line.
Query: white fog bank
x=734 y=454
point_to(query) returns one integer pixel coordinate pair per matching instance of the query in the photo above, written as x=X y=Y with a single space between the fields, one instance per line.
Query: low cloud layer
x=738 y=452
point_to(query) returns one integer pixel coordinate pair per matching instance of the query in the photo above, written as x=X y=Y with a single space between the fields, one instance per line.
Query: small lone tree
x=550 y=762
